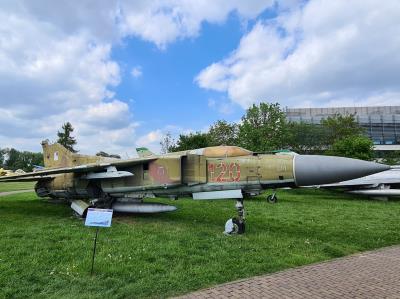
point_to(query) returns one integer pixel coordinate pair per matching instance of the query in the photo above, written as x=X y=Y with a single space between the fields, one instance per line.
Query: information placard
x=99 y=217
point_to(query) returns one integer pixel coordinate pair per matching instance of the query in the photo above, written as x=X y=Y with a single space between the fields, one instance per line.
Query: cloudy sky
x=126 y=72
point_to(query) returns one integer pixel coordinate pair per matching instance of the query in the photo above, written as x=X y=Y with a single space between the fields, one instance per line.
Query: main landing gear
x=236 y=225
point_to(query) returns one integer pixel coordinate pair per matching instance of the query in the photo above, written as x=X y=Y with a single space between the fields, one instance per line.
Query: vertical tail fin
x=55 y=155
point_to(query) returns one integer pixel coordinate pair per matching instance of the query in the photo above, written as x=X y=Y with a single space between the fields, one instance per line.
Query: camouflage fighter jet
x=220 y=172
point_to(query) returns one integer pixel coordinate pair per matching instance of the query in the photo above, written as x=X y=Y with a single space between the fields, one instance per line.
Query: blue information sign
x=99 y=217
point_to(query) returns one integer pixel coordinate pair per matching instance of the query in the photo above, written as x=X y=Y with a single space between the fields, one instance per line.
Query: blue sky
x=124 y=73
x=166 y=93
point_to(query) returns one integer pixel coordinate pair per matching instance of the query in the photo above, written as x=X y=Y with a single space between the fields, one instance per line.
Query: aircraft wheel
x=233 y=226
x=272 y=198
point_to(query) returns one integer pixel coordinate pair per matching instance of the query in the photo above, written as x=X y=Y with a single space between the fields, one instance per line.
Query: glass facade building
x=381 y=123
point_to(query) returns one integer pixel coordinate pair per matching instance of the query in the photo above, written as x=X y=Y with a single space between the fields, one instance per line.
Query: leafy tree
x=104 y=154
x=223 y=133
x=167 y=143
x=65 y=138
x=22 y=160
x=29 y=159
x=191 y=141
x=391 y=158
x=3 y=153
x=340 y=126
x=13 y=161
x=358 y=147
x=263 y=128
x=306 y=138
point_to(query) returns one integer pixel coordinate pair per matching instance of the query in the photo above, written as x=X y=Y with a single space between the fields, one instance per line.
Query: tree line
x=13 y=159
x=265 y=128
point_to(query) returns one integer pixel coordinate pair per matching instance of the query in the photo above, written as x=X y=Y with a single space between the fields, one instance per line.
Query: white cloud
x=56 y=64
x=162 y=22
x=324 y=53
x=150 y=139
x=136 y=72
x=49 y=76
x=153 y=138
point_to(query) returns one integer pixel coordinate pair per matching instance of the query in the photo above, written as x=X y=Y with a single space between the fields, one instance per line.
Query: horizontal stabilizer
x=94 y=167
x=25 y=179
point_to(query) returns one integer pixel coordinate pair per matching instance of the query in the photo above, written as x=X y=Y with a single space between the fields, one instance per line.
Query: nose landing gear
x=236 y=225
x=272 y=198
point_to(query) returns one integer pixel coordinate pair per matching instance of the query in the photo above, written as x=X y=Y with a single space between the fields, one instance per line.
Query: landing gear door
x=194 y=169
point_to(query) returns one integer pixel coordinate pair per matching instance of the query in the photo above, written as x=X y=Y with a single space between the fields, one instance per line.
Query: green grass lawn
x=45 y=251
x=5 y=187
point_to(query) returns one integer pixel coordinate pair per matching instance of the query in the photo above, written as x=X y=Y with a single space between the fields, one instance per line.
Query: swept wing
x=88 y=168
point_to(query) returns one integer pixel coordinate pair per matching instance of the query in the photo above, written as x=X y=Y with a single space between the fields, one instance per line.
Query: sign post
x=94 y=250
x=98 y=218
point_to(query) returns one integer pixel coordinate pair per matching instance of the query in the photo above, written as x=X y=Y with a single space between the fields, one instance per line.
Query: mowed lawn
x=46 y=252
x=5 y=187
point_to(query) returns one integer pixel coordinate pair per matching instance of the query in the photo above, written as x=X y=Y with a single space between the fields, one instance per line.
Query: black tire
x=240 y=227
x=272 y=198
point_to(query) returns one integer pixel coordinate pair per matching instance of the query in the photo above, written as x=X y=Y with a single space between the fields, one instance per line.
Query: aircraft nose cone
x=317 y=170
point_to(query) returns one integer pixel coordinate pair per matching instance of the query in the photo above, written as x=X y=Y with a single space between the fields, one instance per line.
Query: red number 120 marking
x=227 y=173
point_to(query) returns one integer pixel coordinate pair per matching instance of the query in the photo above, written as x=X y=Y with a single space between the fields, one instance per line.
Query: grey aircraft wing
x=380 y=185
x=388 y=177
